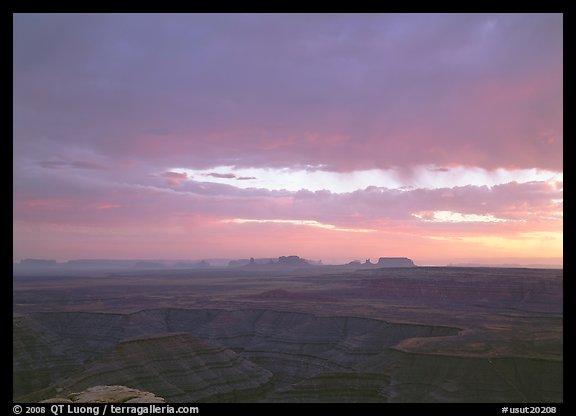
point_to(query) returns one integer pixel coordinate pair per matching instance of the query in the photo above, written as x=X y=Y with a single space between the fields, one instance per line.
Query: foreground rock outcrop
x=108 y=394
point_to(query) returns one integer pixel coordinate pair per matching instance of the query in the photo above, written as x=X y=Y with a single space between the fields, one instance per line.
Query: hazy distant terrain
x=316 y=334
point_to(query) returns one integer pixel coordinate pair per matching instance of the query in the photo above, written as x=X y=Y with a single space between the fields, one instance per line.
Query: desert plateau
x=292 y=334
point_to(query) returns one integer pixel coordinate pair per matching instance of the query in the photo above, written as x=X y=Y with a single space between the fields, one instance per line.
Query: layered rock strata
x=211 y=355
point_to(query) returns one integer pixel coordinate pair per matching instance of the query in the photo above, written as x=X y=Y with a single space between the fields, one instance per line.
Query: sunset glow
x=306 y=223
x=330 y=136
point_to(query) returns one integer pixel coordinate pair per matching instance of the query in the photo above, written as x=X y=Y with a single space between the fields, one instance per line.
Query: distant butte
x=292 y=261
x=283 y=262
x=384 y=262
x=395 y=262
x=298 y=262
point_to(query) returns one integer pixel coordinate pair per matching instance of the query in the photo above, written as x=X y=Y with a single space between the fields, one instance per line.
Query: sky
x=334 y=137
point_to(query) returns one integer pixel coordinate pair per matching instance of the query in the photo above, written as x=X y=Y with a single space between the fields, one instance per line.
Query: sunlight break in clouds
x=449 y=216
x=429 y=177
x=307 y=223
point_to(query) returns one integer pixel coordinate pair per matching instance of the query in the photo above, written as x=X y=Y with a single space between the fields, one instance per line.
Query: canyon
x=319 y=334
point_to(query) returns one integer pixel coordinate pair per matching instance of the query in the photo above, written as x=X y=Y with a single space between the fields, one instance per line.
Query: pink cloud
x=107 y=206
x=102 y=122
x=471 y=97
x=174 y=179
x=529 y=206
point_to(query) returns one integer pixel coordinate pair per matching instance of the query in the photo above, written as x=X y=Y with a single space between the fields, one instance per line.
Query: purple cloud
x=174 y=178
x=108 y=107
x=342 y=91
x=78 y=164
x=221 y=175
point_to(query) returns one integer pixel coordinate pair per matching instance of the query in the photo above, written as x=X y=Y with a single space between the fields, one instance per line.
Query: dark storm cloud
x=344 y=91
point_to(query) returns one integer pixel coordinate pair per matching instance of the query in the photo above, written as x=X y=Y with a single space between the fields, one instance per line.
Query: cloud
x=131 y=125
x=221 y=175
x=346 y=92
x=305 y=223
x=107 y=206
x=201 y=214
x=158 y=131
x=148 y=199
x=455 y=217
x=341 y=182
x=229 y=176
x=78 y=164
x=174 y=179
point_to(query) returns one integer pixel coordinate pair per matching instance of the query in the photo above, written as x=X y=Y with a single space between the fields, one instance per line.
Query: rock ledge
x=108 y=394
